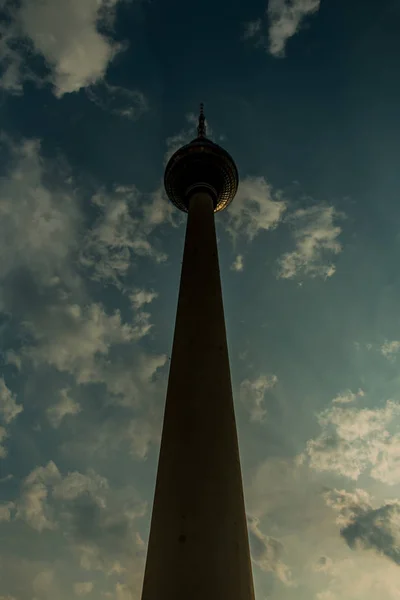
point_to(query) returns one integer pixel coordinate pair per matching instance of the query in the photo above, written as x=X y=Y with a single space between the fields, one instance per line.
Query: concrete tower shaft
x=198 y=547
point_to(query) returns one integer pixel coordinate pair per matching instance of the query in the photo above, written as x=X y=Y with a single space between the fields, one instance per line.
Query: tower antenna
x=201 y=128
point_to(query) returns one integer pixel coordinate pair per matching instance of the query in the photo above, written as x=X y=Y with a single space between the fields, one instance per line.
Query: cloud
x=141 y=297
x=66 y=406
x=324 y=564
x=137 y=435
x=315 y=233
x=285 y=18
x=66 y=35
x=256 y=208
x=238 y=264
x=183 y=137
x=117 y=100
x=83 y=588
x=9 y=408
x=266 y=552
x=120 y=231
x=390 y=348
x=252 y=394
x=377 y=529
x=252 y=29
x=76 y=484
x=72 y=338
x=157 y=210
x=39 y=221
x=32 y=507
x=366 y=527
x=355 y=441
x=44 y=584
x=98 y=521
x=3 y=437
x=348 y=396
x=5 y=511
x=104 y=536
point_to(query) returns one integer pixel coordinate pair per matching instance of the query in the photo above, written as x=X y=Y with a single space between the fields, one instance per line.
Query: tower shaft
x=198 y=547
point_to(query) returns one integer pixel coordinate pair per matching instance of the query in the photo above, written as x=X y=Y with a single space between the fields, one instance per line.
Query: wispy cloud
x=348 y=396
x=316 y=233
x=66 y=406
x=267 y=552
x=117 y=100
x=120 y=231
x=283 y=19
x=252 y=394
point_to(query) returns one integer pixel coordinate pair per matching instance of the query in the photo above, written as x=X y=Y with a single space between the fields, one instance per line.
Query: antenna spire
x=201 y=128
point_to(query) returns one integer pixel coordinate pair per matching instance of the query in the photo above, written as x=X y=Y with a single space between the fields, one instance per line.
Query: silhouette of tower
x=198 y=546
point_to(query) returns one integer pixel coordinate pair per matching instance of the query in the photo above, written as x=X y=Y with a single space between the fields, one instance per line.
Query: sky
x=95 y=96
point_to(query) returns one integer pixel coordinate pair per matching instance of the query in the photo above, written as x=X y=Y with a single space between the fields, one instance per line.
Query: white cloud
x=39 y=223
x=390 y=348
x=256 y=208
x=83 y=588
x=348 y=396
x=142 y=433
x=238 y=264
x=266 y=552
x=9 y=408
x=98 y=521
x=67 y=35
x=285 y=18
x=32 y=506
x=141 y=297
x=315 y=233
x=74 y=484
x=355 y=441
x=66 y=406
x=157 y=210
x=252 y=394
x=73 y=338
x=347 y=504
x=119 y=231
x=364 y=575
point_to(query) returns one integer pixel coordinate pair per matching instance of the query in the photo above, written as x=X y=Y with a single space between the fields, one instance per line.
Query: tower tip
x=201 y=128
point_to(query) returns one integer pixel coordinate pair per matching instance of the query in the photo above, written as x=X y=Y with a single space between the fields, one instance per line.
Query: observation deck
x=199 y=166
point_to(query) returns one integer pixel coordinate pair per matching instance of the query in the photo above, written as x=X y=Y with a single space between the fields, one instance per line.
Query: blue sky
x=95 y=95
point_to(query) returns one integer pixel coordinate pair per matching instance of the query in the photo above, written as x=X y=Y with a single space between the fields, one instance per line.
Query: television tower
x=198 y=547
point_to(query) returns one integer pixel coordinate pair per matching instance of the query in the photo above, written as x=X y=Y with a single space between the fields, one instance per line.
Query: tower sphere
x=198 y=166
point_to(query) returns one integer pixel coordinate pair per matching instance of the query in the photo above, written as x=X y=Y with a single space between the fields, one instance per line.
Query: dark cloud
x=377 y=529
